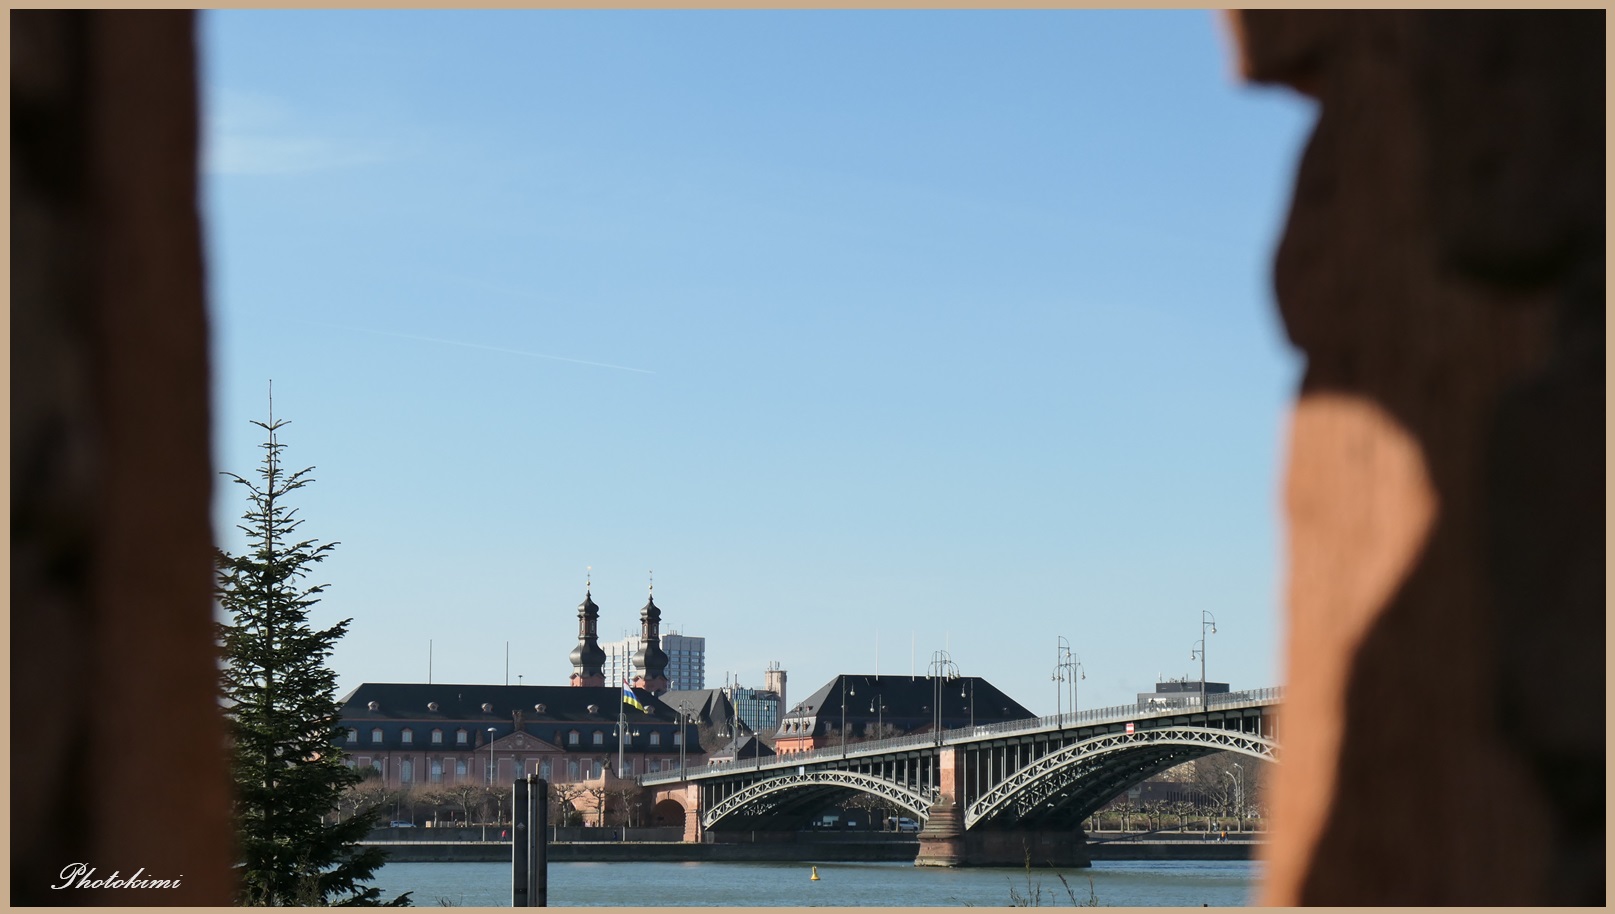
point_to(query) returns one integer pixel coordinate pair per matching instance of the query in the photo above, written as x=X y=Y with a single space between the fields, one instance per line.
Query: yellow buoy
x=815 y=875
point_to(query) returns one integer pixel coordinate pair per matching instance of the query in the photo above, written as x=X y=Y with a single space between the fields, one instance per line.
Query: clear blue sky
x=943 y=329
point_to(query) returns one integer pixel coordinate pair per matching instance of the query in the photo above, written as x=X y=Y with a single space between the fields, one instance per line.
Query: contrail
x=535 y=355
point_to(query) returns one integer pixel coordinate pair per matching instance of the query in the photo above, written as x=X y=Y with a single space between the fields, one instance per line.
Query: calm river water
x=640 y=885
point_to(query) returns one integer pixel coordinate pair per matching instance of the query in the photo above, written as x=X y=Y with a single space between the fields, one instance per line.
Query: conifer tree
x=280 y=697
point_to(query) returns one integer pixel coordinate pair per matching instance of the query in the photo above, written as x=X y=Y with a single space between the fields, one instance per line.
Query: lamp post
x=490 y=756
x=1239 y=795
x=1066 y=669
x=941 y=667
x=1078 y=671
x=844 y=694
x=1206 y=619
x=683 y=715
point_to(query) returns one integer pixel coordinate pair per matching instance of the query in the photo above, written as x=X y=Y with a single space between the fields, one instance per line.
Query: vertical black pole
x=518 y=845
x=538 y=845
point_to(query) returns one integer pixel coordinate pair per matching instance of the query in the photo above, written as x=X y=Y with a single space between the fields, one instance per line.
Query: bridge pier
x=942 y=838
x=945 y=842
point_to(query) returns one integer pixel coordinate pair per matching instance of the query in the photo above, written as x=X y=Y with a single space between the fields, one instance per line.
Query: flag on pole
x=632 y=700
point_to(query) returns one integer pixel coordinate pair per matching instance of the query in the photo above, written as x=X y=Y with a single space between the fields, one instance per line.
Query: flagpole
x=622 y=724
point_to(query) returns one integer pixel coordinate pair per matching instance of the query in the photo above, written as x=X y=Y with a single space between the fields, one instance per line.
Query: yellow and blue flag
x=632 y=700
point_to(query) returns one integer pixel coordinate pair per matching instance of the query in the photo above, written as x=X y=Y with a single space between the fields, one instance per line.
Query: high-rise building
x=758 y=708
x=686 y=660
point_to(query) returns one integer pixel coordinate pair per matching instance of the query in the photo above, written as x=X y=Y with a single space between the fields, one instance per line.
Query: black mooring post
x=518 y=846
x=529 y=847
x=538 y=845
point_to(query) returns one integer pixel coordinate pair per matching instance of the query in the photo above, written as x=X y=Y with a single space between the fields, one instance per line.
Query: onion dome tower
x=588 y=660
x=650 y=662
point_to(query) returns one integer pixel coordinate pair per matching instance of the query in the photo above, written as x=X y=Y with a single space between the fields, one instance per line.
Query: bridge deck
x=1118 y=715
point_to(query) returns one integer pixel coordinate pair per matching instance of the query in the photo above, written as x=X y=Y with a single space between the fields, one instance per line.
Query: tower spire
x=588 y=660
x=650 y=662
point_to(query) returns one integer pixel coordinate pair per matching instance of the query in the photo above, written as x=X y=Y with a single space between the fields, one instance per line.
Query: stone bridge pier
x=673 y=804
x=944 y=841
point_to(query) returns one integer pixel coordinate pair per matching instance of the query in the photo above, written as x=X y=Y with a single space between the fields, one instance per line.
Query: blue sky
x=872 y=333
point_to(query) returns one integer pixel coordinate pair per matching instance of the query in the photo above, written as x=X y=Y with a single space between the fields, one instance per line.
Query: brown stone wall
x=1442 y=272
x=117 y=744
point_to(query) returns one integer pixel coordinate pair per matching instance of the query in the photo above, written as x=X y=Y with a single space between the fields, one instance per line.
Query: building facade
x=857 y=708
x=758 y=709
x=456 y=733
x=1178 y=695
x=440 y=734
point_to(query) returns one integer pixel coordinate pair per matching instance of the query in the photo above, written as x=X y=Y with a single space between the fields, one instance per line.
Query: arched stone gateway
x=668 y=813
x=672 y=804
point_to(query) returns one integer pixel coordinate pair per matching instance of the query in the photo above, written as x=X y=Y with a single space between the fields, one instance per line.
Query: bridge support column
x=942 y=838
x=692 y=813
x=945 y=842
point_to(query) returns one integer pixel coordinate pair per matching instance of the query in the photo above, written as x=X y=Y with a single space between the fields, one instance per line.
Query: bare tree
x=1153 y=811
x=1183 y=809
x=624 y=800
x=364 y=796
x=563 y=803
x=466 y=797
x=431 y=800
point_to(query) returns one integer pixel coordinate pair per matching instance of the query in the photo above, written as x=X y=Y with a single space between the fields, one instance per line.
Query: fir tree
x=289 y=771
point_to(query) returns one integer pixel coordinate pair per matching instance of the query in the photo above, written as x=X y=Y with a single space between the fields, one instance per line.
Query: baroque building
x=453 y=733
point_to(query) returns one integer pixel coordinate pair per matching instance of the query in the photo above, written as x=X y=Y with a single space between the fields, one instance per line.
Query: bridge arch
x=1071 y=783
x=917 y=803
x=668 y=812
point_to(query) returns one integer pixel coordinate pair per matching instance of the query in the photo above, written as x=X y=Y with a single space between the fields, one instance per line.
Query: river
x=1130 y=883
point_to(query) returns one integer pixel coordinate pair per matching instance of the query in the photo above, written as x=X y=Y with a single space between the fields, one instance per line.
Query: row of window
x=576 y=769
x=462 y=737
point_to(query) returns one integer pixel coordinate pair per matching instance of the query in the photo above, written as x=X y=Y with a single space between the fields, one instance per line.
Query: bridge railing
x=1088 y=717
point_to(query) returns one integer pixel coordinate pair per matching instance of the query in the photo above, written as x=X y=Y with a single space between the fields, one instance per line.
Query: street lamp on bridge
x=844 y=694
x=683 y=736
x=1206 y=618
x=1066 y=669
x=941 y=667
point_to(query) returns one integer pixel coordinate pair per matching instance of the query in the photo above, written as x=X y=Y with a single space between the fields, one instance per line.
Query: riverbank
x=653 y=852
x=838 y=852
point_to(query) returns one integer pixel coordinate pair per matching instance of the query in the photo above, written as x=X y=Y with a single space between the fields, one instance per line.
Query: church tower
x=587 y=658
x=650 y=663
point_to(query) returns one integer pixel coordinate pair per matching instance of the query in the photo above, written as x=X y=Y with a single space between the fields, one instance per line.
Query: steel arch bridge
x=802 y=785
x=1045 y=773
x=1074 y=782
